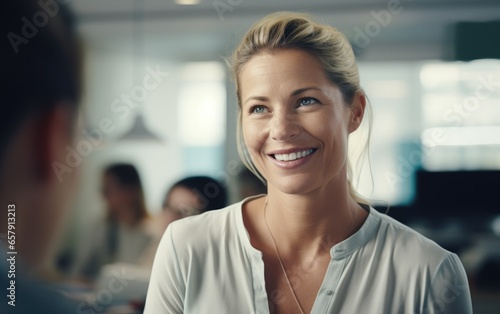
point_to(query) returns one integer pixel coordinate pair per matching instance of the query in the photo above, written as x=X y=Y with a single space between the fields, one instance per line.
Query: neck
x=312 y=223
x=31 y=241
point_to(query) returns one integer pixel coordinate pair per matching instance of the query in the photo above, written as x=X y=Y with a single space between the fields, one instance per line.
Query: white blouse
x=206 y=264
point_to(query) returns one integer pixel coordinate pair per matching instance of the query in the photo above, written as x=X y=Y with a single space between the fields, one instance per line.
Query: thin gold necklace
x=279 y=259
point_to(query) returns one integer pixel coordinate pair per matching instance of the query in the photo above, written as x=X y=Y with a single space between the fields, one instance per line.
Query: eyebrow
x=294 y=93
x=260 y=98
x=301 y=90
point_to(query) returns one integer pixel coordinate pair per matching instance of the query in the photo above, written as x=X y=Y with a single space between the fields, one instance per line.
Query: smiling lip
x=291 y=158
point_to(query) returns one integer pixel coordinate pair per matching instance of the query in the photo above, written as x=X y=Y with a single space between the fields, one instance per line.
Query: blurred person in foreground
x=313 y=244
x=39 y=90
x=124 y=234
x=187 y=197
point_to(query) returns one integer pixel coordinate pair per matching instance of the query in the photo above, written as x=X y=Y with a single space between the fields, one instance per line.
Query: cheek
x=170 y=216
x=338 y=137
x=333 y=134
x=338 y=147
x=115 y=199
x=253 y=135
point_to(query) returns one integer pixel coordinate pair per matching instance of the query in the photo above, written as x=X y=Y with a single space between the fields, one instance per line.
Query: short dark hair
x=212 y=193
x=40 y=65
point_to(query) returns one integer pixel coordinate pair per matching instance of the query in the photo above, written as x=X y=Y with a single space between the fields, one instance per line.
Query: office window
x=461 y=115
x=202 y=117
x=433 y=115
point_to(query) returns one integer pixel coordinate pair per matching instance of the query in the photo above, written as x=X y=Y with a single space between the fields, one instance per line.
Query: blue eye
x=307 y=101
x=257 y=109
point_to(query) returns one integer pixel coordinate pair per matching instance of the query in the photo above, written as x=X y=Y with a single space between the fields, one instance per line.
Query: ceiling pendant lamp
x=139 y=130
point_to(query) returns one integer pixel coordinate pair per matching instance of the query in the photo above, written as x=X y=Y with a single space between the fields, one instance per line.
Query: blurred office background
x=158 y=90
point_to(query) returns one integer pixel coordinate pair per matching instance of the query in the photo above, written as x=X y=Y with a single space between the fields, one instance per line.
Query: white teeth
x=293 y=156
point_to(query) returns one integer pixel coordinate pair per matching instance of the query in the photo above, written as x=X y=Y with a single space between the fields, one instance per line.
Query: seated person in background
x=193 y=195
x=187 y=197
x=40 y=87
x=125 y=233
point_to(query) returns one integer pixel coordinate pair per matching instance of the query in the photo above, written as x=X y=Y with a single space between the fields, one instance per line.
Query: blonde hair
x=289 y=30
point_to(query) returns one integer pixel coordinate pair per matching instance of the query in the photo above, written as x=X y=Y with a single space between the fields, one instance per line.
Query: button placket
x=261 y=304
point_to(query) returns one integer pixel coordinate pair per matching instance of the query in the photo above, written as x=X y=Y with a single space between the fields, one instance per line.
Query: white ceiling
x=421 y=31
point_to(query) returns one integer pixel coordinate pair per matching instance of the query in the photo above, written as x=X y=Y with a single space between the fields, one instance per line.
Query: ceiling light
x=139 y=132
x=187 y=2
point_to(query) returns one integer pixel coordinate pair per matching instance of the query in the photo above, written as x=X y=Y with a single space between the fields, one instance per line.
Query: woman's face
x=294 y=121
x=116 y=196
x=181 y=202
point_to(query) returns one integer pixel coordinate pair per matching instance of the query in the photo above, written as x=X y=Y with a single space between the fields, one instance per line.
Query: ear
x=54 y=130
x=357 y=111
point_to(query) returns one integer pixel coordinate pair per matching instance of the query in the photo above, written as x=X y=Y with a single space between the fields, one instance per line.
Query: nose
x=283 y=126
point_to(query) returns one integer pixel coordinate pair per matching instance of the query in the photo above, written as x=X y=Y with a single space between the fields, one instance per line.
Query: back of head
x=40 y=63
x=39 y=92
x=211 y=193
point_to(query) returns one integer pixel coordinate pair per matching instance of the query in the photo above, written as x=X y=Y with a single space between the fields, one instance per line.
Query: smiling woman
x=290 y=108
x=312 y=244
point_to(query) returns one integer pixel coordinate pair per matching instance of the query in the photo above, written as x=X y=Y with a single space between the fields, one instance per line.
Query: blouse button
x=329 y=292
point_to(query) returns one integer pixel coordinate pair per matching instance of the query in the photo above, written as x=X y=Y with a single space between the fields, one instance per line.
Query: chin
x=293 y=185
